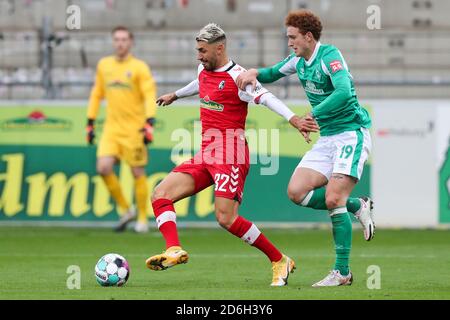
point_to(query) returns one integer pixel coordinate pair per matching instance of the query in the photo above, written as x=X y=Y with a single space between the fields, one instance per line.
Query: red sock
x=248 y=232
x=166 y=220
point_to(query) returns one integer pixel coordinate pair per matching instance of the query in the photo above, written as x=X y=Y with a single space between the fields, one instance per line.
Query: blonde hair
x=211 y=33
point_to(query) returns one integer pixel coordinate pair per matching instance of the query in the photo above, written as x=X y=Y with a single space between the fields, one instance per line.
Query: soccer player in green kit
x=327 y=174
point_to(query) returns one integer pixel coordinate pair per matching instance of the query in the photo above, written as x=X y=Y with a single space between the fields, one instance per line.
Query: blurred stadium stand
x=409 y=57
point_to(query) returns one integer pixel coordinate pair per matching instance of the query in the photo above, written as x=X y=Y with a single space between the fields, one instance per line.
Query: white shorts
x=343 y=153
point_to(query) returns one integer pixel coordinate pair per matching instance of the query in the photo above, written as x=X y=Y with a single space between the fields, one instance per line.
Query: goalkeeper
x=128 y=87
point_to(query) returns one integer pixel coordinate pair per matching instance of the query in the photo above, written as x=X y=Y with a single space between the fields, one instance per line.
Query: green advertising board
x=47 y=171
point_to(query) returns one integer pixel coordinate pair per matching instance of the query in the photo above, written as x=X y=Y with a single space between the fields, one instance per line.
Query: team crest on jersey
x=207 y=103
x=129 y=74
x=318 y=75
x=222 y=85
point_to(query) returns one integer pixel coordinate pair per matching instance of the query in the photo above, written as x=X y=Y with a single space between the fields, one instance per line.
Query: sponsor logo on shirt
x=311 y=87
x=335 y=66
x=118 y=85
x=207 y=103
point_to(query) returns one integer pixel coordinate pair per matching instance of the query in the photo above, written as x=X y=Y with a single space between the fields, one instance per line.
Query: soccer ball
x=112 y=270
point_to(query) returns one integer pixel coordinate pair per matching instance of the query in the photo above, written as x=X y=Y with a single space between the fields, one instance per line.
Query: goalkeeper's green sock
x=315 y=199
x=342 y=234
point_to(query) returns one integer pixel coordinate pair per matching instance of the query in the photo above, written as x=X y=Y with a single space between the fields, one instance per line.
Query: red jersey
x=224 y=158
x=223 y=105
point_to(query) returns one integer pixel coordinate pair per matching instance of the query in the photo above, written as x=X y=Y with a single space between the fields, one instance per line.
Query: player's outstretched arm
x=187 y=91
x=166 y=99
x=260 y=95
x=268 y=75
x=304 y=125
x=97 y=95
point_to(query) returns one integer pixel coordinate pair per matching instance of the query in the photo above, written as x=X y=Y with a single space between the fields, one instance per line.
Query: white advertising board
x=404 y=157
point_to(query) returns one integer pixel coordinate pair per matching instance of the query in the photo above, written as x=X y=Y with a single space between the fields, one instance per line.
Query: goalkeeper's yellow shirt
x=130 y=93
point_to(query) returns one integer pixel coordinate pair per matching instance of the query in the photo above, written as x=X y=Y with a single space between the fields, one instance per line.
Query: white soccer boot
x=365 y=217
x=141 y=227
x=335 y=279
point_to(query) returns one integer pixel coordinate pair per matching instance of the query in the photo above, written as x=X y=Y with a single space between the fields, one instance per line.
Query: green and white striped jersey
x=329 y=87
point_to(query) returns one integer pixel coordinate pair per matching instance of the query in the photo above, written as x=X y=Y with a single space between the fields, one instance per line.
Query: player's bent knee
x=104 y=170
x=225 y=219
x=296 y=195
x=225 y=222
x=138 y=172
x=160 y=193
x=334 y=201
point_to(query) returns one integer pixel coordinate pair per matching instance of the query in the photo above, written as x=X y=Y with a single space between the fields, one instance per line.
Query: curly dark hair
x=305 y=21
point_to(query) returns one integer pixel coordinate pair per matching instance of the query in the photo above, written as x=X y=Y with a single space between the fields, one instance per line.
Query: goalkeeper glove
x=90 y=131
x=148 y=131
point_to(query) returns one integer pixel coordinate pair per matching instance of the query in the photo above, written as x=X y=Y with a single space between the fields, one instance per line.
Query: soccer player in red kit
x=224 y=156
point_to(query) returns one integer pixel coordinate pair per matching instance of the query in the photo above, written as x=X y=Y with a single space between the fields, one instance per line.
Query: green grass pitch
x=34 y=261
